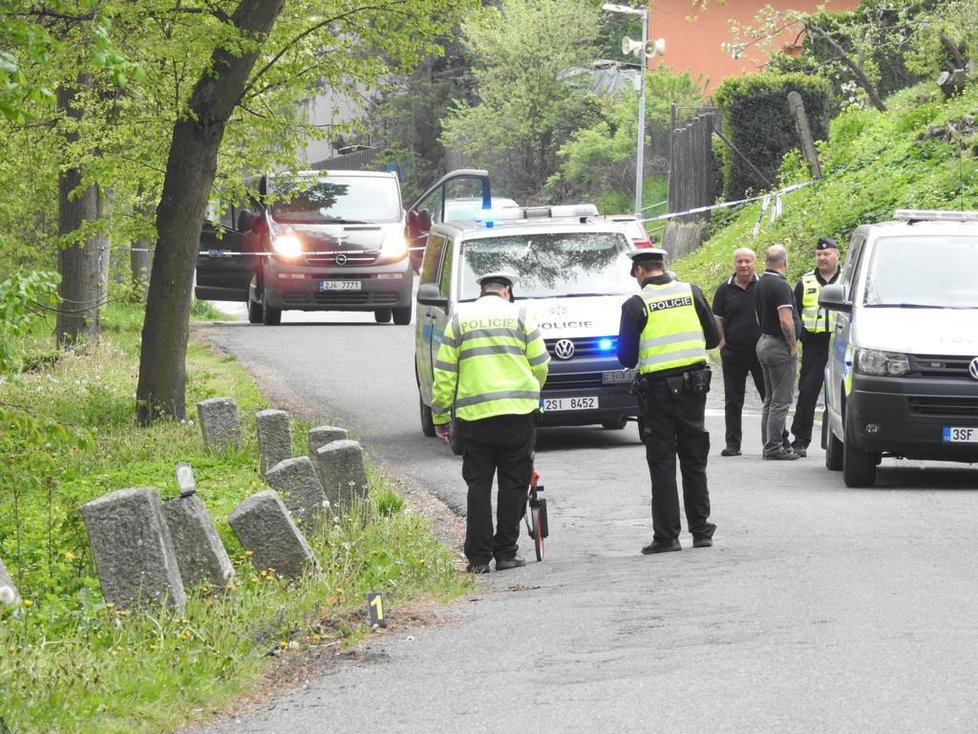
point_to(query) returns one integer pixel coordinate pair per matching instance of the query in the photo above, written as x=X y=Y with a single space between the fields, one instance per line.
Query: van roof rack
x=934 y=215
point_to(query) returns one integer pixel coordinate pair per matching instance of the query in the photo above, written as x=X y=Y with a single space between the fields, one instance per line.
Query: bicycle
x=535 y=514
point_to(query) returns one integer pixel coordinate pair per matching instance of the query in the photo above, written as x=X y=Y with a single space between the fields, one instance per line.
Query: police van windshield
x=334 y=199
x=551 y=265
x=923 y=272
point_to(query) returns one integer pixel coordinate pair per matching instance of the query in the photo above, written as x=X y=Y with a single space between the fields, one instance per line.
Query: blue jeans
x=780 y=370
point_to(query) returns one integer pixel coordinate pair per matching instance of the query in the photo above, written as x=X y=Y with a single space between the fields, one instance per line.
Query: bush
x=761 y=127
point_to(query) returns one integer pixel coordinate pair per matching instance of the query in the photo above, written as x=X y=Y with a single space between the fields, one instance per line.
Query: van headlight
x=881 y=364
x=287 y=245
x=394 y=247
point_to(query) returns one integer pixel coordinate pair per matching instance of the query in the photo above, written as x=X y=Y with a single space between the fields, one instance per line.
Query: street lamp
x=643 y=50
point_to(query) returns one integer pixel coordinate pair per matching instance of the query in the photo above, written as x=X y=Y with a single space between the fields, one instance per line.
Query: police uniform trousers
x=675 y=424
x=814 y=355
x=502 y=446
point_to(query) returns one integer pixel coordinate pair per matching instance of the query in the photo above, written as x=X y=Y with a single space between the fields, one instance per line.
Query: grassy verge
x=69 y=661
x=873 y=164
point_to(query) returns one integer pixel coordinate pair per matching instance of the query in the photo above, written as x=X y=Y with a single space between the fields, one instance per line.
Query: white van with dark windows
x=902 y=375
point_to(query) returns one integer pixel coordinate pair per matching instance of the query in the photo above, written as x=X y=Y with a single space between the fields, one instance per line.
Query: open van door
x=436 y=205
x=224 y=267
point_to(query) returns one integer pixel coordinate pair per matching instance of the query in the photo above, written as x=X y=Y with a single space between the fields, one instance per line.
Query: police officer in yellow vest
x=490 y=367
x=817 y=325
x=665 y=331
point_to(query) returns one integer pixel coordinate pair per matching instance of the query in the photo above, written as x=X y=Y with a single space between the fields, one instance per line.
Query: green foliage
x=527 y=104
x=70 y=661
x=599 y=160
x=872 y=164
x=761 y=127
x=22 y=297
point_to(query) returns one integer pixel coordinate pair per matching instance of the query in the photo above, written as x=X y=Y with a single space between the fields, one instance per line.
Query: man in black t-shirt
x=734 y=306
x=777 y=350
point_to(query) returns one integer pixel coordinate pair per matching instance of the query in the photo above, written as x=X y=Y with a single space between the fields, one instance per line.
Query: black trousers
x=500 y=446
x=814 y=355
x=677 y=428
x=736 y=366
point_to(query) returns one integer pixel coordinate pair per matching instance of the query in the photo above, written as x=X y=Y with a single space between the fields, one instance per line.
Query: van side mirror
x=245 y=219
x=833 y=297
x=428 y=295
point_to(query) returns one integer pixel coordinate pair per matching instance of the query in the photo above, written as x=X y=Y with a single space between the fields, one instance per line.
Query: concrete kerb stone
x=263 y=526
x=201 y=557
x=219 y=423
x=274 y=437
x=298 y=485
x=133 y=550
x=9 y=596
x=322 y=435
x=342 y=473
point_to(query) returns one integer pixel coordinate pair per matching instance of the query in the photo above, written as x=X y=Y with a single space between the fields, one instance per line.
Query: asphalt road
x=819 y=609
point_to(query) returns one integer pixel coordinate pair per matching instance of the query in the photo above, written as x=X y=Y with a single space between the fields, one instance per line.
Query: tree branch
x=840 y=52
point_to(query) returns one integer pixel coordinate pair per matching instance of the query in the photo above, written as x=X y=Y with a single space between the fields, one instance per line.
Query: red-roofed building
x=694 y=38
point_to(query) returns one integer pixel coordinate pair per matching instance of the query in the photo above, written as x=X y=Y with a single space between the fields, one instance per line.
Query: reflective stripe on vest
x=813 y=318
x=673 y=335
x=488 y=348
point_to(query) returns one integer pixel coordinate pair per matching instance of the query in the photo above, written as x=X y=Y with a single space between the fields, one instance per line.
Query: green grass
x=70 y=662
x=873 y=164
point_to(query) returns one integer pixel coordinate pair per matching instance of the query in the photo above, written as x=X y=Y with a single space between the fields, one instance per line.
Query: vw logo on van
x=973 y=368
x=564 y=349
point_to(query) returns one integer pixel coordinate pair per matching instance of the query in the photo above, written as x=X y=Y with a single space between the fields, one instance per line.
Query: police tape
x=726 y=204
x=324 y=253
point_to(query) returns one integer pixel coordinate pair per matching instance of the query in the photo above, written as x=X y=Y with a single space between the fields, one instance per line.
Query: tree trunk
x=80 y=265
x=861 y=79
x=190 y=171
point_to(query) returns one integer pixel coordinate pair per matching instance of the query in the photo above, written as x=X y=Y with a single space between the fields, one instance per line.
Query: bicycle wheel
x=539 y=513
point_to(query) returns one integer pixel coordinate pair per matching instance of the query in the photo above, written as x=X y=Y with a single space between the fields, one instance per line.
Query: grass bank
x=920 y=154
x=71 y=662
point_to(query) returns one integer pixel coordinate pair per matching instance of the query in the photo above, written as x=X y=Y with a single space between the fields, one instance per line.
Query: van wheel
x=454 y=440
x=858 y=466
x=402 y=316
x=382 y=315
x=427 y=424
x=614 y=425
x=833 y=446
x=270 y=316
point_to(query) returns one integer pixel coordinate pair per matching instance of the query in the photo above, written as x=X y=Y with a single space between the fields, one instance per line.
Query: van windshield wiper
x=905 y=305
x=340 y=220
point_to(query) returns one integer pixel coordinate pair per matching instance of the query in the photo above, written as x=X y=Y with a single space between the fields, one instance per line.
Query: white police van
x=574 y=277
x=902 y=375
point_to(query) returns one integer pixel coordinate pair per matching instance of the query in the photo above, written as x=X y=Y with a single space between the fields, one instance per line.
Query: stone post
x=274 y=437
x=342 y=473
x=298 y=485
x=201 y=557
x=264 y=527
x=219 y=423
x=134 y=555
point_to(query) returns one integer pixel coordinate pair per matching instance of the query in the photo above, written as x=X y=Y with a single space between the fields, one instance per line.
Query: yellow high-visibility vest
x=673 y=335
x=492 y=361
x=813 y=318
